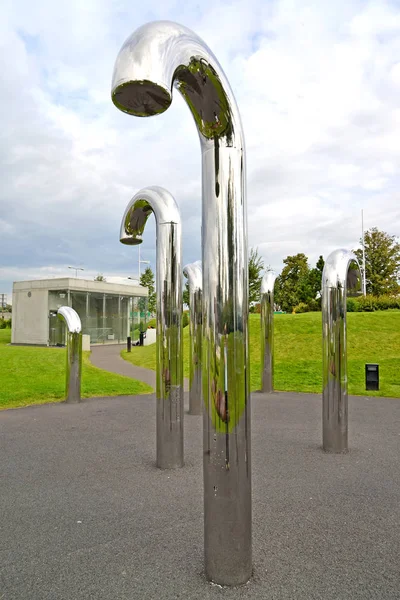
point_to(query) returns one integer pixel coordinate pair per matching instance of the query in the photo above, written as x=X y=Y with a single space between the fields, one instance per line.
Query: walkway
x=108 y=358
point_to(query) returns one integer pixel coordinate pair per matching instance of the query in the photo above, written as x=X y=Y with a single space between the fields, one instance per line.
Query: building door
x=56 y=330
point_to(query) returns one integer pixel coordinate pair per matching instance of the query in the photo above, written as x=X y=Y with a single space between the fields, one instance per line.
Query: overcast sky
x=318 y=87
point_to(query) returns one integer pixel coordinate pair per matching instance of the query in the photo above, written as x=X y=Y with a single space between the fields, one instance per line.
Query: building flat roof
x=80 y=285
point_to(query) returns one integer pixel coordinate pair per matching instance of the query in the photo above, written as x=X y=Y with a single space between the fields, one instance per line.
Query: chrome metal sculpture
x=194 y=275
x=169 y=388
x=341 y=273
x=154 y=59
x=73 y=377
x=267 y=332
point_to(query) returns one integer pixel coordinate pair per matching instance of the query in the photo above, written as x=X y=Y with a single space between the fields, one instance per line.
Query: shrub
x=314 y=305
x=302 y=307
x=151 y=324
x=352 y=305
x=3 y=324
x=372 y=303
x=185 y=319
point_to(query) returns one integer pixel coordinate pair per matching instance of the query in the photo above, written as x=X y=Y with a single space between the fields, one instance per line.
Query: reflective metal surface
x=341 y=274
x=74 y=353
x=154 y=59
x=194 y=275
x=169 y=389
x=267 y=332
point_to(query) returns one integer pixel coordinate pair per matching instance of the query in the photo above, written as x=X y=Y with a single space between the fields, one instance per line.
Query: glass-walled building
x=109 y=312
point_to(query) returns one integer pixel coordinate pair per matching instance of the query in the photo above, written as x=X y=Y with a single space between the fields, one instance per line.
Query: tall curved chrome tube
x=74 y=353
x=154 y=59
x=341 y=273
x=169 y=387
x=267 y=332
x=194 y=275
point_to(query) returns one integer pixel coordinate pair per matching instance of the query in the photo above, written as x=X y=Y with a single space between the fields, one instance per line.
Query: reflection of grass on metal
x=372 y=338
x=227 y=405
x=169 y=353
x=31 y=375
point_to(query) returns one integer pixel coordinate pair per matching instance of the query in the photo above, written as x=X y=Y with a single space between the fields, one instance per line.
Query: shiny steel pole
x=154 y=59
x=169 y=351
x=267 y=332
x=194 y=275
x=341 y=273
x=74 y=353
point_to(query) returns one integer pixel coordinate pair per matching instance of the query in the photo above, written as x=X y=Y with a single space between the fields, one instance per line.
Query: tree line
x=300 y=284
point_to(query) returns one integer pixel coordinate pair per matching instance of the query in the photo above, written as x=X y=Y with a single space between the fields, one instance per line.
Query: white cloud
x=317 y=85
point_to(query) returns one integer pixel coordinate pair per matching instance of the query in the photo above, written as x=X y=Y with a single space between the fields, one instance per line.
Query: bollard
x=169 y=388
x=341 y=273
x=155 y=58
x=128 y=343
x=74 y=353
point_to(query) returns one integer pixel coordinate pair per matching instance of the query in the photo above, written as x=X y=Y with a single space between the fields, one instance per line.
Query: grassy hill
x=372 y=337
x=37 y=375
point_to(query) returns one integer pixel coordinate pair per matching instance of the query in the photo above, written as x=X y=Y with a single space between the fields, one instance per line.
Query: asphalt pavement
x=85 y=514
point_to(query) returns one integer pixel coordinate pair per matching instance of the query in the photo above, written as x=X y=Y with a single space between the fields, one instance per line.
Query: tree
x=186 y=295
x=256 y=267
x=147 y=280
x=293 y=284
x=382 y=262
x=100 y=277
x=315 y=278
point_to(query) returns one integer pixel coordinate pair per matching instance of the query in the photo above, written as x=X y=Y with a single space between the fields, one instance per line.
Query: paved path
x=85 y=513
x=108 y=358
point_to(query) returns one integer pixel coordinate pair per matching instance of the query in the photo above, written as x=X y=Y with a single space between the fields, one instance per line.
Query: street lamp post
x=76 y=269
x=142 y=262
x=364 y=283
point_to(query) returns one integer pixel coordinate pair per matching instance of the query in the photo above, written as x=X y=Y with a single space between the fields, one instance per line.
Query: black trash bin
x=372 y=377
x=142 y=335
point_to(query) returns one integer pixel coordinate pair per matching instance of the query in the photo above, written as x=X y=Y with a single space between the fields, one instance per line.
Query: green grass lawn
x=37 y=375
x=372 y=337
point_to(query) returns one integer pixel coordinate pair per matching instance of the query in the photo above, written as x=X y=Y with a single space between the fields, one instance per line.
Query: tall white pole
x=364 y=285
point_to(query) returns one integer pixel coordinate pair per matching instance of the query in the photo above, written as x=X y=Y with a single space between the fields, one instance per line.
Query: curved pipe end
x=141 y=98
x=71 y=319
x=153 y=199
x=161 y=55
x=130 y=240
x=141 y=86
x=341 y=270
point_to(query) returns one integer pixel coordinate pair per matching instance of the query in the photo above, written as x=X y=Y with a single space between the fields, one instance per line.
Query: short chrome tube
x=194 y=275
x=341 y=274
x=169 y=388
x=267 y=332
x=74 y=353
x=154 y=59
